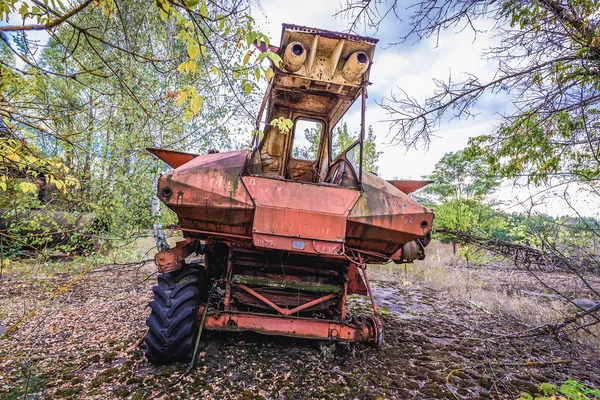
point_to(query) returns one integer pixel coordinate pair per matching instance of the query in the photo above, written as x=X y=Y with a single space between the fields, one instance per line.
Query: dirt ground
x=79 y=344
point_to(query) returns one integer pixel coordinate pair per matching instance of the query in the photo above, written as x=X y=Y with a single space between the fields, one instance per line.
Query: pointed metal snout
x=294 y=56
x=357 y=64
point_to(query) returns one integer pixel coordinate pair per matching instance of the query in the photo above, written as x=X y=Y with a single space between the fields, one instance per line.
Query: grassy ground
x=497 y=288
x=444 y=326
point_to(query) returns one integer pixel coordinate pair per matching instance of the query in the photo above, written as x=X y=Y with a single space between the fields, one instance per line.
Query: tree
x=459 y=176
x=114 y=77
x=461 y=184
x=548 y=57
x=343 y=138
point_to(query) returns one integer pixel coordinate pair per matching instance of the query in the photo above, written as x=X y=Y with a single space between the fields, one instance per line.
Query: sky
x=413 y=67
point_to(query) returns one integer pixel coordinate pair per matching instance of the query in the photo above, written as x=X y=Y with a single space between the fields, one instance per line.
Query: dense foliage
x=114 y=78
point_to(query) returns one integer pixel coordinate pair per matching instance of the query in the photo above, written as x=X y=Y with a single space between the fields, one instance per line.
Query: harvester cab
x=323 y=74
x=286 y=228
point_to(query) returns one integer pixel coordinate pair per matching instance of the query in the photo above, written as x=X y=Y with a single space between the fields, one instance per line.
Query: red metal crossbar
x=285 y=311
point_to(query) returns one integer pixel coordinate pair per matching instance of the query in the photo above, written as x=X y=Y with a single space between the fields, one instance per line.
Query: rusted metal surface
x=355 y=282
x=363 y=124
x=174 y=159
x=409 y=186
x=208 y=195
x=173 y=259
x=376 y=318
x=323 y=74
x=384 y=218
x=287 y=209
x=286 y=240
x=286 y=311
x=284 y=300
x=294 y=56
x=357 y=64
x=307 y=328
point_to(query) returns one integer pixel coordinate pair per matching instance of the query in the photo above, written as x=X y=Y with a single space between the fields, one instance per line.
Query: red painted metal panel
x=175 y=159
x=289 y=326
x=207 y=194
x=409 y=186
x=298 y=210
x=298 y=245
x=384 y=218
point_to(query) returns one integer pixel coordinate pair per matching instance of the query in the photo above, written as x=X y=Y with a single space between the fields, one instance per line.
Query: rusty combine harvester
x=284 y=240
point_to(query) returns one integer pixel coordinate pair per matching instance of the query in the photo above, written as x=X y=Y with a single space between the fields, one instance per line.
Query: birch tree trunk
x=159 y=235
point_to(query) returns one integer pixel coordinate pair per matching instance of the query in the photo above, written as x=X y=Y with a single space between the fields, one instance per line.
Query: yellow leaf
x=193 y=66
x=196 y=104
x=163 y=14
x=27 y=187
x=181 y=98
x=248 y=88
x=268 y=74
x=13 y=157
x=247 y=57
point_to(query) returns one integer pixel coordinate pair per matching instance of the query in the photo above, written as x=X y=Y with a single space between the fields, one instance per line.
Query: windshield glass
x=307 y=135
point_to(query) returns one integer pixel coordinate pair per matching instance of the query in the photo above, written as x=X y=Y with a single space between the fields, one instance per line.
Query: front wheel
x=172 y=323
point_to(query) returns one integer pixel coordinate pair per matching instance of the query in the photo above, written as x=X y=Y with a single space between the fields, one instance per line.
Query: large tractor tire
x=172 y=323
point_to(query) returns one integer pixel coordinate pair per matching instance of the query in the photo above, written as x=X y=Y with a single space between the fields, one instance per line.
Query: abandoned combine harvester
x=286 y=234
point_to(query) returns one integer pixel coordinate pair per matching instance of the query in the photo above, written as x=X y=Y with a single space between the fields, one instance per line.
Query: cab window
x=307 y=135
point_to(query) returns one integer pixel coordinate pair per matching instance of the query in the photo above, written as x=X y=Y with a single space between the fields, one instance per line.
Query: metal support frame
x=308 y=328
x=362 y=132
x=173 y=259
x=285 y=311
x=344 y=296
x=377 y=319
x=229 y=273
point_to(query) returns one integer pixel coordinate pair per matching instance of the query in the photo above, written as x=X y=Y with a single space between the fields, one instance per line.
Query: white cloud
x=413 y=68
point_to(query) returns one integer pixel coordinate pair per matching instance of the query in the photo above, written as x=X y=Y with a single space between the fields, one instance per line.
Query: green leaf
x=191 y=3
x=196 y=104
x=203 y=50
x=248 y=88
x=274 y=57
x=24 y=10
x=203 y=10
x=548 y=388
x=192 y=49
